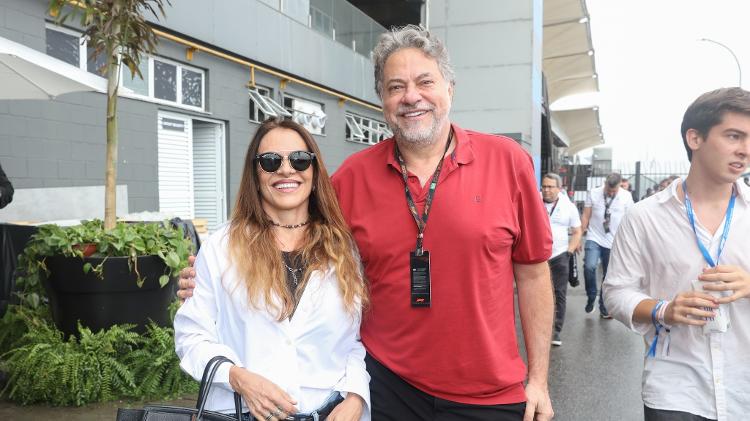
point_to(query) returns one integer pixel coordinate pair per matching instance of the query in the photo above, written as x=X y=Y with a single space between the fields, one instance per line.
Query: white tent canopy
x=26 y=73
x=581 y=128
x=569 y=69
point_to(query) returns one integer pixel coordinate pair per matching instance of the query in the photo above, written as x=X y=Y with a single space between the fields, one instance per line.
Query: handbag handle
x=205 y=387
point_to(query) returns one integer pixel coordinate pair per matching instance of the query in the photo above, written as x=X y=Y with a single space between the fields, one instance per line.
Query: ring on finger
x=268 y=418
x=277 y=412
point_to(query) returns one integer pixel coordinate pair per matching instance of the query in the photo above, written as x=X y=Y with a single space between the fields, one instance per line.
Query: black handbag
x=177 y=413
x=573 y=270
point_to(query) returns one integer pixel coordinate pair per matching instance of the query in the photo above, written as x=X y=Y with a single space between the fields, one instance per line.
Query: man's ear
x=694 y=139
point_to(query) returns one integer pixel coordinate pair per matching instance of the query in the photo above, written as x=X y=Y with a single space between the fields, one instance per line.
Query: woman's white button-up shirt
x=314 y=353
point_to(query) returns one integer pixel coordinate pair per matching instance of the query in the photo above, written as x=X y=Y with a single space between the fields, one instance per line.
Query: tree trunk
x=110 y=188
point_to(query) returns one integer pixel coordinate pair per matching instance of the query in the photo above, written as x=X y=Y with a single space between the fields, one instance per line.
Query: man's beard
x=419 y=136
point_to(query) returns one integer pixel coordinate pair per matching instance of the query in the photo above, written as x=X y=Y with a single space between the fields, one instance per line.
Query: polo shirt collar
x=462 y=154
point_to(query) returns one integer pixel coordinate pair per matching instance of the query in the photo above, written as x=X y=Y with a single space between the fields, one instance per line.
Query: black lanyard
x=421 y=222
x=553 y=207
x=608 y=203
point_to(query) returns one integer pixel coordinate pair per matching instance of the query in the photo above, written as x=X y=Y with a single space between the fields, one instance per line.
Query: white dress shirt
x=309 y=356
x=622 y=201
x=564 y=215
x=655 y=255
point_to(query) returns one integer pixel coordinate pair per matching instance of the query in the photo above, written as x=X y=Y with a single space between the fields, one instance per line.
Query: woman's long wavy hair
x=327 y=242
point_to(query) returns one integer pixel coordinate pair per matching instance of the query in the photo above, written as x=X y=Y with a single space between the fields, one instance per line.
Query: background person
x=680 y=258
x=6 y=189
x=279 y=290
x=564 y=220
x=602 y=212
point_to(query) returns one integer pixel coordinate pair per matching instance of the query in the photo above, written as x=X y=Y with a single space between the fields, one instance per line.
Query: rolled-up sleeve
x=624 y=288
x=196 y=336
x=356 y=379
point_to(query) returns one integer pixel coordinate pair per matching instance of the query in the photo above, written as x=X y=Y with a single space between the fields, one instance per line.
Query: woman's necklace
x=286 y=259
x=291 y=227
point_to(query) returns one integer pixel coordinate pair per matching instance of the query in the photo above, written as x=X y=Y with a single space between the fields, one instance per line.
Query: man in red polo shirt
x=445 y=347
x=441 y=255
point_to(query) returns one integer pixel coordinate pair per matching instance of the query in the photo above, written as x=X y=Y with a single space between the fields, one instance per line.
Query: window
x=68 y=45
x=366 y=130
x=167 y=81
x=262 y=106
x=307 y=113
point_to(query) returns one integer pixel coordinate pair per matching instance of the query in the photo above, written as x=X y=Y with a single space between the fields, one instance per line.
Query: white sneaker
x=556 y=341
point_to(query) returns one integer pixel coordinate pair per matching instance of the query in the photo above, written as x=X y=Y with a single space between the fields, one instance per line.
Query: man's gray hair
x=410 y=36
x=553 y=176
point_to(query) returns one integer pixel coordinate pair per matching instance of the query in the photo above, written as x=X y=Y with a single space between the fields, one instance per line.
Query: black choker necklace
x=301 y=224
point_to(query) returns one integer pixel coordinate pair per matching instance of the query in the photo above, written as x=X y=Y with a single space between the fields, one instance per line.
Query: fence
x=644 y=176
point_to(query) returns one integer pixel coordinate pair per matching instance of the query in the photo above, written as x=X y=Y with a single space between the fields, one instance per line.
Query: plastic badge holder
x=720 y=323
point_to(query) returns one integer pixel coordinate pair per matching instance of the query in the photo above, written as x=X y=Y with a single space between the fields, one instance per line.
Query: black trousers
x=651 y=414
x=558 y=267
x=393 y=399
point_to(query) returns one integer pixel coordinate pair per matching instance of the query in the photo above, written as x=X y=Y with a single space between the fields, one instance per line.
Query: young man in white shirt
x=563 y=220
x=680 y=271
x=602 y=212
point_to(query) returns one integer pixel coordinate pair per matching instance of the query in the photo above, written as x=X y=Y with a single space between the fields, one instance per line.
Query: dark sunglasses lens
x=300 y=160
x=270 y=162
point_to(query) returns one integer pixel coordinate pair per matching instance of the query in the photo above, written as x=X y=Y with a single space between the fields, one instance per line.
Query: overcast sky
x=651 y=66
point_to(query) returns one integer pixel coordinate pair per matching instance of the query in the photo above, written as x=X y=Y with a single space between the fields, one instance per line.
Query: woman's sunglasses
x=271 y=161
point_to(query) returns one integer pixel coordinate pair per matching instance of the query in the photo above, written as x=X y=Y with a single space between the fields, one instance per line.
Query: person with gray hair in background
x=602 y=212
x=564 y=222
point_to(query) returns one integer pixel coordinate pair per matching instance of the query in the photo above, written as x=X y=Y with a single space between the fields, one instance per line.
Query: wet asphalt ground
x=594 y=376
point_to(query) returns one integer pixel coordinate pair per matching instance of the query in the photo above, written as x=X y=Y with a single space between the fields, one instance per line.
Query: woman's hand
x=348 y=410
x=267 y=402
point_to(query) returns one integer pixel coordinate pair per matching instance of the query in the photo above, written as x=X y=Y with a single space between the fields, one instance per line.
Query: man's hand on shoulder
x=538 y=403
x=187 y=281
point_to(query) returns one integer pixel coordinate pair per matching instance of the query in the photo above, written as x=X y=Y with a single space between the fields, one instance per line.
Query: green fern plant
x=110 y=364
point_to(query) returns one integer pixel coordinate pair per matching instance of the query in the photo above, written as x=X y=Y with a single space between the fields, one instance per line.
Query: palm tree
x=117 y=29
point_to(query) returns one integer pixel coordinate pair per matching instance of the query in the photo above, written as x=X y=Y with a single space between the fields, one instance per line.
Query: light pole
x=739 y=68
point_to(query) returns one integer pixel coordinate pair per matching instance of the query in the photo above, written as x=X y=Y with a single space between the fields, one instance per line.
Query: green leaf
x=87 y=267
x=172 y=260
x=163 y=280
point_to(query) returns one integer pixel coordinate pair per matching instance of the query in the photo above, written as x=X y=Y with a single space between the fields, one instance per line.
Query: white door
x=208 y=172
x=175 y=160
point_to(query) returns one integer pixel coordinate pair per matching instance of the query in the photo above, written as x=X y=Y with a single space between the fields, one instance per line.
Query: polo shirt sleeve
x=533 y=243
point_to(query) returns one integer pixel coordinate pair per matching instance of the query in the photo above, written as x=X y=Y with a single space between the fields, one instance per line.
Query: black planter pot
x=102 y=303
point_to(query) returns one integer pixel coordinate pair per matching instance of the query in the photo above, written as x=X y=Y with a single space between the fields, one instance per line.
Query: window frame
x=291 y=110
x=265 y=104
x=373 y=131
x=125 y=72
x=83 y=43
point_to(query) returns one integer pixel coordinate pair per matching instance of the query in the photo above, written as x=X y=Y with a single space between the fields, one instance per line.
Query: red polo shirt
x=486 y=215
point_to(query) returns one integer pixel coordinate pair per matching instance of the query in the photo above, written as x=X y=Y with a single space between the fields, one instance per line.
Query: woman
x=279 y=291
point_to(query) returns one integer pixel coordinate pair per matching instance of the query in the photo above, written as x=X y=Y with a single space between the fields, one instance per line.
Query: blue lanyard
x=724 y=234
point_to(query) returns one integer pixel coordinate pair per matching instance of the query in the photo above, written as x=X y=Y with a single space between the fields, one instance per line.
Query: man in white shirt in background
x=564 y=220
x=602 y=212
x=664 y=281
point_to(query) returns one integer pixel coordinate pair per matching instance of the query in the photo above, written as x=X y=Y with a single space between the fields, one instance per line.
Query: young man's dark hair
x=708 y=111
x=613 y=180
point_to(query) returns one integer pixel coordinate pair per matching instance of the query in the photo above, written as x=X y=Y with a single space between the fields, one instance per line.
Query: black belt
x=319 y=414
